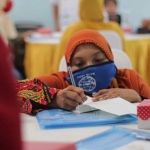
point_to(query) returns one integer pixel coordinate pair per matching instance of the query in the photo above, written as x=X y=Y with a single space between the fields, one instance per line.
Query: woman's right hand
x=69 y=98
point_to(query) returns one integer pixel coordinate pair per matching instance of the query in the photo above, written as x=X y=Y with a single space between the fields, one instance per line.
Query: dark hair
x=114 y=1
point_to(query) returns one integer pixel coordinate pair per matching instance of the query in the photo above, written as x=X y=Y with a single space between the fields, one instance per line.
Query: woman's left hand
x=127 y=94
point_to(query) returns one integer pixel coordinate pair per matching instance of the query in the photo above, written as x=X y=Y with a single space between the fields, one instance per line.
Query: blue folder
x=110 y=139
x=58 y=118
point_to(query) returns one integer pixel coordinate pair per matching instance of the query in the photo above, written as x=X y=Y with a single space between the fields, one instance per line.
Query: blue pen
x=71 y=74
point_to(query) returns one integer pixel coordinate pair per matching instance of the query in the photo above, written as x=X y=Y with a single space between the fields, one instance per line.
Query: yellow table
x=138 y=50
x=42 y=58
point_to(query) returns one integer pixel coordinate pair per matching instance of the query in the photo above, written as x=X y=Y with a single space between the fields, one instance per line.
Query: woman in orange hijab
x=95 y=73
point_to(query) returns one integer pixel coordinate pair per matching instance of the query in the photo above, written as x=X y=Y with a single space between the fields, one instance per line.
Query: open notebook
x=116 y=106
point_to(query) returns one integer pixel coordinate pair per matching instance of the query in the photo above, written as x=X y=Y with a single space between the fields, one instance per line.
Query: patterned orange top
x=34 y=95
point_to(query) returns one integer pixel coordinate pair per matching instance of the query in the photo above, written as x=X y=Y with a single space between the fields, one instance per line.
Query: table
x=32 y=132
x=41 y=54
x=39 y=59
x=42 y=58
x=137 y=48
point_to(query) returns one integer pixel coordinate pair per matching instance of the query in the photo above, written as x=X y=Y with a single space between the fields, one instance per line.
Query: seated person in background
x=111 y=8
x=91 y=17
x=94 y=71
x=8 y=6
x=10 y=35
x=10 y=137
x=8 y=31
x=56 y=14
x=145 y=27
x=7 y=28
x=65 y=13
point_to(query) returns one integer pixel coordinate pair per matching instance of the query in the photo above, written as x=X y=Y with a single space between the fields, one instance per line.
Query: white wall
x=41 y=11
x=139 y=9
x=38 y=11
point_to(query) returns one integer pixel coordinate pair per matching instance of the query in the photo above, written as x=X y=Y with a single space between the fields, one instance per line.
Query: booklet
x=58 y=118
x=112 y=111
x=116 y=106
x=116 y=138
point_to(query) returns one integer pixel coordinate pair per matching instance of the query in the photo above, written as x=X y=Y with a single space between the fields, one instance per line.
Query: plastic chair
x=62 y=64
x=113 y=39
x=121 y=59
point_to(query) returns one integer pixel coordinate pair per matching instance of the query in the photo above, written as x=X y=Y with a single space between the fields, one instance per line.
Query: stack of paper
x=112 y=111
x=116 y=106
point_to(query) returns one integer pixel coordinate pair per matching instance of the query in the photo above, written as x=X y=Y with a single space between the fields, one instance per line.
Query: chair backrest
x=62 y=64
x=121 y=60
x=113 y=39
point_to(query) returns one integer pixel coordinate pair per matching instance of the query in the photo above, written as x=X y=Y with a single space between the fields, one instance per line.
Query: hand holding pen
x=70 y=97
x=73 y=81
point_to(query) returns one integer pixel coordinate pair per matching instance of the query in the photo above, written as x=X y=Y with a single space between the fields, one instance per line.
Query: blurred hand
x=69 y=98
x=127 y=94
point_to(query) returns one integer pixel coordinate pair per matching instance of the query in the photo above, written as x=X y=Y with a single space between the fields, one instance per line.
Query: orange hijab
x=88 y=36
x=125 y=78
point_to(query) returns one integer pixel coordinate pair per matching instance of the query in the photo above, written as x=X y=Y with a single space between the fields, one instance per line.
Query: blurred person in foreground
x=10 y=138
x=91 y=17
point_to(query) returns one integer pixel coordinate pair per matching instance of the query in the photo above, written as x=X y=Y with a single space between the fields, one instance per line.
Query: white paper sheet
x=116 y=106
x=85 y=106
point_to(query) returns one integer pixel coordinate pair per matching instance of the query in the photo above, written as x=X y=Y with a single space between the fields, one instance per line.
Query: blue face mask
x=94 y=78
